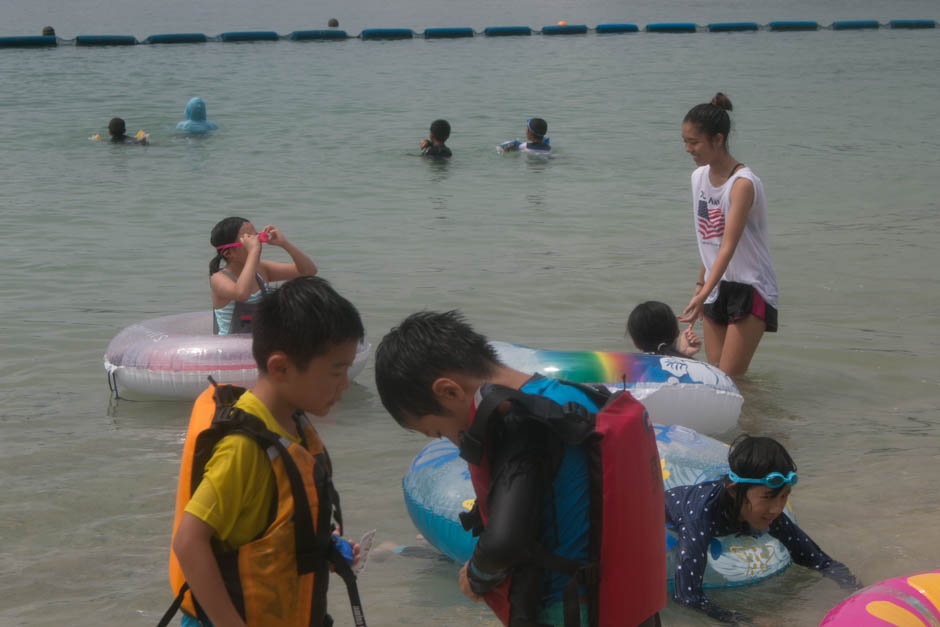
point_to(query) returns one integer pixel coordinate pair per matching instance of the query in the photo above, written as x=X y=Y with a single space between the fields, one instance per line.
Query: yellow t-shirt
x=237 y=487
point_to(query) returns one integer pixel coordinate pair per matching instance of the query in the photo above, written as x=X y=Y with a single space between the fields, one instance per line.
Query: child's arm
x=691 y=559
x=513 y=500
x=688 y=343
x=224 y=290
x=807 y=553
x=512 y=144
x=192 y=549
x=302 y=266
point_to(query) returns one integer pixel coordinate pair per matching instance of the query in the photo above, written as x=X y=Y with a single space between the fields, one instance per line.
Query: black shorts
x=737 y=301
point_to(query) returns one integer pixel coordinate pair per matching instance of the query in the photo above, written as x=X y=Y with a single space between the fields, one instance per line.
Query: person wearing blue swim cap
x=196 y=121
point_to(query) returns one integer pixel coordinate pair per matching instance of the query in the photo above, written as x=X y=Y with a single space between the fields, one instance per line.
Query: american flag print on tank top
x=710 y=221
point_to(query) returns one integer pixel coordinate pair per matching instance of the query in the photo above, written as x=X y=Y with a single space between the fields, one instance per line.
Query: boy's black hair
x=426 y=346
x=303 y=318
x=116 y=127
x=440 y=129
x=752 y=457
x=653 y=328
x=224 y=232
x=538 y=126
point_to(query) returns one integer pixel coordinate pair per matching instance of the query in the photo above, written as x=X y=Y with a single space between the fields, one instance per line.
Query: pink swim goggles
x=263 y=237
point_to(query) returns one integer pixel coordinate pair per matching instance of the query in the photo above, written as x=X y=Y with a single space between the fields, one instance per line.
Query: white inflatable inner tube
x=172 y=357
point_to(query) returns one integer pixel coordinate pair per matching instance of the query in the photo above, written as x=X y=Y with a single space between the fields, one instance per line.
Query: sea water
x=320 y=139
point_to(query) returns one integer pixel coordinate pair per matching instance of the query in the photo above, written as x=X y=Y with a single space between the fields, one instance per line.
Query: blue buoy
x=105 y=40
x=855 y=24
x=573 y=29
x=258 y=35
x=671 y=27
x=28 y=41
x=912 y=24
x=778 y=26
x=447 y=33
x=731 y=27
x=310 y=35
x=506 y=31
x=387 y=33
x=177 y=38
x=616 y=28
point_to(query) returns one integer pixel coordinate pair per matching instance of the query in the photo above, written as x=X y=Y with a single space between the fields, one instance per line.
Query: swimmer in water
x=536 y=141
x=117 y=131
x=196 y=121
x=237 y=288
x=434 y=146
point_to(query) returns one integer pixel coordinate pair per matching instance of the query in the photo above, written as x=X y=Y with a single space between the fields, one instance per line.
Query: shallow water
x=320 y=139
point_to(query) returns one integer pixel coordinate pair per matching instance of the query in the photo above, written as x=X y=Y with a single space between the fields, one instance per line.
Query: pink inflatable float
x=912 y=601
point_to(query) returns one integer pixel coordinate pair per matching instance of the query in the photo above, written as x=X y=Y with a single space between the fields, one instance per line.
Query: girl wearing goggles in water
x=748 y=500
x=237 y=287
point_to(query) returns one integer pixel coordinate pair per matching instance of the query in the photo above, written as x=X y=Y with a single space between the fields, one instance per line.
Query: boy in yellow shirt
x=253 y=539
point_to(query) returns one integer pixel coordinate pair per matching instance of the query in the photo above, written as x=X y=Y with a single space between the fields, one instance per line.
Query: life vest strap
x=174 y=607
x=342 y=568
x=579 y=573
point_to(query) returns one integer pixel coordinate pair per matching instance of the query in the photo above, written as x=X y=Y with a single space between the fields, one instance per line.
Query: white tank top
x=751 y=262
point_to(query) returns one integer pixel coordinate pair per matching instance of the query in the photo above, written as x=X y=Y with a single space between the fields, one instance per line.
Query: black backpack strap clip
x=472 y=521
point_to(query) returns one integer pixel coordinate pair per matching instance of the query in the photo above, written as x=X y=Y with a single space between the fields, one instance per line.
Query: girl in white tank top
x=736 y=289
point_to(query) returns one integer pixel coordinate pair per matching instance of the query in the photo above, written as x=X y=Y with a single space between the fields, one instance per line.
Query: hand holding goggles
x=263 y=237
x=774 y=480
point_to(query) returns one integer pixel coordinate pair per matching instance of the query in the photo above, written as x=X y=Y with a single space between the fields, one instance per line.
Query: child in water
x=118 y=133
x=655 y=329
x=196 y=121
x=748 y=500
x=238 y=287
x=434 y=146
x=536 y=141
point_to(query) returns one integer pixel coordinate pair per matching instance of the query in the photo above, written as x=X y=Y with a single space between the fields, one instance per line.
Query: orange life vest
x=281 y=577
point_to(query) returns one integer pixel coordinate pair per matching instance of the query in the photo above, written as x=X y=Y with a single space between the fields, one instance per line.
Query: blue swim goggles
x=774 y=480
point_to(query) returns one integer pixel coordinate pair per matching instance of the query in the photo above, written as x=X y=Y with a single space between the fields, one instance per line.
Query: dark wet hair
x=653 y=328
x=224 y=232
x=116 y=128
x=424 y=347
x=303 y=318
x=333 y=23
x=48 y=31
x=440 y=129
x=538 y=126
x=752 y=457
x=712 y=117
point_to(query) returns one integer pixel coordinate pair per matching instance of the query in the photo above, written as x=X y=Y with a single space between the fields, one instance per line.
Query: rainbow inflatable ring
x=673 y=390
x=912 y=601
